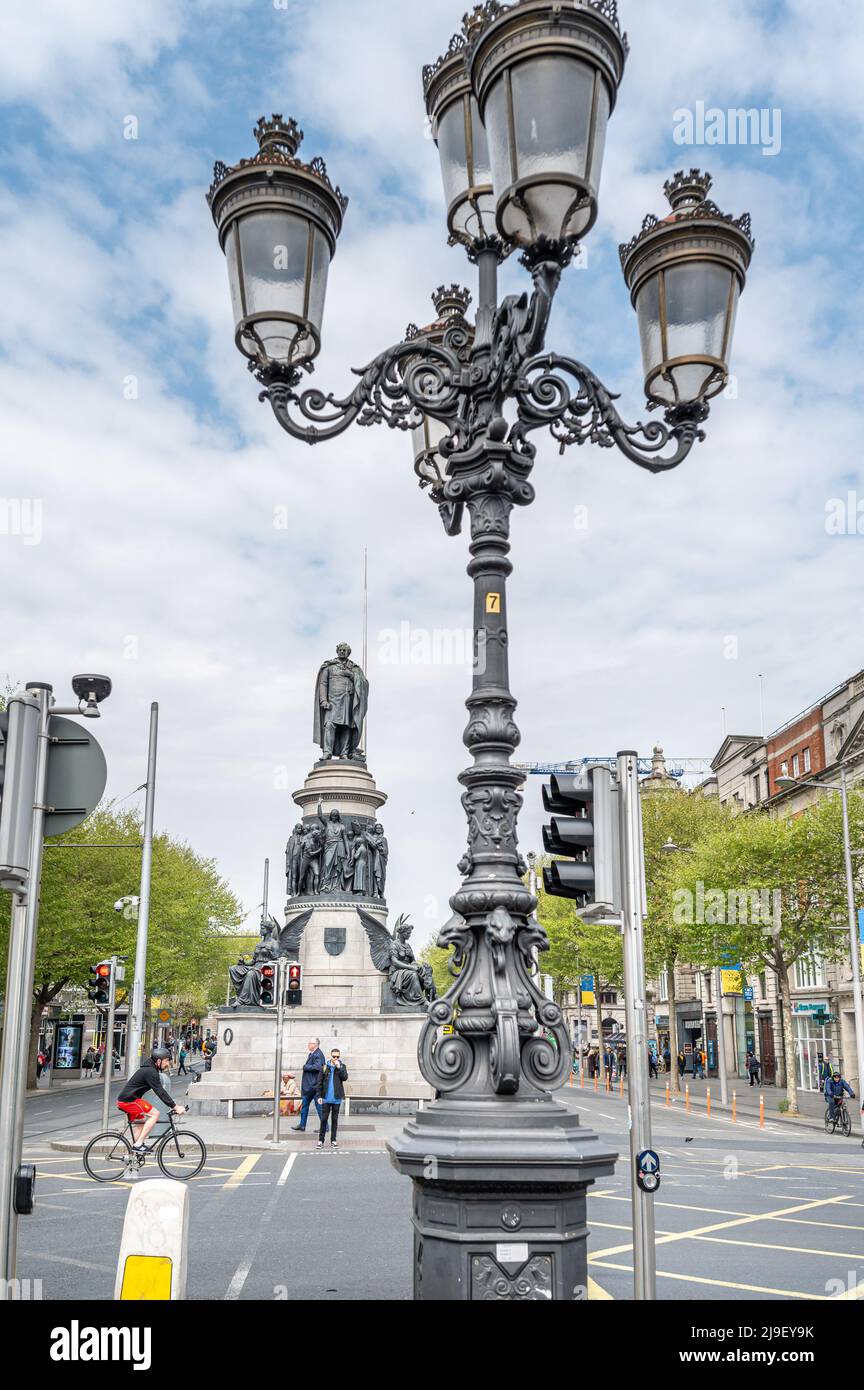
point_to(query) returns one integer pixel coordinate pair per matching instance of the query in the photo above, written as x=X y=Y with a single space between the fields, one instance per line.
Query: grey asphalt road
x=741 y=1214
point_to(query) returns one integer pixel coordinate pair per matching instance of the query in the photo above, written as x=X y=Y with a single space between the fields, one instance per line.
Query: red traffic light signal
x=100 y=982
x=268 y=983
x=295 y=984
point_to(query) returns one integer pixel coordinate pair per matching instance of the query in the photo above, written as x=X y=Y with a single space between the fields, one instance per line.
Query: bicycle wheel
x=846 y=1122
x=181 y=1155
x=109 y=1157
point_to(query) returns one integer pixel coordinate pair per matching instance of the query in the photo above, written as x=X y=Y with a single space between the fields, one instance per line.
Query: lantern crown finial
x=687 y=190
x=451 y=301
x=285 y=136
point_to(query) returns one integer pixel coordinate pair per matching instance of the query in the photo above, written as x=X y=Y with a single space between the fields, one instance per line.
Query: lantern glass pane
x=552 y=100
x=496 y=123
x=320 y=271
x=648 y=313
x=453 y=153
x=274 y=250
x=234 y=273
x=697 y=297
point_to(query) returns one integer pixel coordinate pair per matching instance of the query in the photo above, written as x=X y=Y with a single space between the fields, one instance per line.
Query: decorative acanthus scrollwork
x=586 y=414
x=492 y=813
x=495 y=1009
x=409 y=379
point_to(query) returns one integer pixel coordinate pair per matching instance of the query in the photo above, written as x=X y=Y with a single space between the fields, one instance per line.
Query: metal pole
x=277 y=1078
x=853 y=933
x=15 y=1022
x=109 y=1046
x=266 y=898
x=136 y=1021
x=19 y=999
x=633 y=915
x=721 y=1038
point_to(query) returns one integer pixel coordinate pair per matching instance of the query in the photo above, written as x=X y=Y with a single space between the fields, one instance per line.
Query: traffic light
x=584 y=828
x=19 y=732
x=99 y=989
x=294 y=994
x=268 y=984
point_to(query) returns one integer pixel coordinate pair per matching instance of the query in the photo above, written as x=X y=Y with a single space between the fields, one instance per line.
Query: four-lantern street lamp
x=519 y=106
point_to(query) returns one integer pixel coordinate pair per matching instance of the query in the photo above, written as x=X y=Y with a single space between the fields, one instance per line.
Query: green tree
x=736 y=874
x=192 y=911
x=673 y=817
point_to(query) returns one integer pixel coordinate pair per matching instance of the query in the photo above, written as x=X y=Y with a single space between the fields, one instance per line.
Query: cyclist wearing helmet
x=142 y=1115
x=835 y=1088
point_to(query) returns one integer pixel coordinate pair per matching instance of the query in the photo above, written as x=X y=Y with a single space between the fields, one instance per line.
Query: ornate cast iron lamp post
x=519 y=104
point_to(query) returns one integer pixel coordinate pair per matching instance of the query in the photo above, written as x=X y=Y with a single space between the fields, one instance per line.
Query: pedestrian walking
x=40 y=1063
x=824 y=1072
x=181 y=1056
x=753 y=1067
x=88 y=1062
x=331 y=1093
x=652 y=1062
x=682 y=1063
x=667 y=1059
x=312 y=1068
x=698 y=1067
x=622 y=1063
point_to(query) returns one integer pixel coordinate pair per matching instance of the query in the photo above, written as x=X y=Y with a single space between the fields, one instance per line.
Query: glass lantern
x=546 y=79
x=685 y=274
x=278 y=222
x=463 y=150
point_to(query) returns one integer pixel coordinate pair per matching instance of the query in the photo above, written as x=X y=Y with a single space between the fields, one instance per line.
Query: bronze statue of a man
x=341 y=699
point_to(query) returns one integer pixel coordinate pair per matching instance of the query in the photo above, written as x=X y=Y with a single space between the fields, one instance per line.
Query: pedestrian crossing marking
x=725 y=1284
x=597 y=1294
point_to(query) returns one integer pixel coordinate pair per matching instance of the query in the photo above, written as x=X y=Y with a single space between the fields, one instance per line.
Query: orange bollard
x=687 y=1099
x=761 y=1111
x=668 y=1101
x=621 y=1086
x=608 y=1082
x=571 y=1077
x=596 y=1081
x=582 y=1077
x=708 y=1102
x=734 y=1106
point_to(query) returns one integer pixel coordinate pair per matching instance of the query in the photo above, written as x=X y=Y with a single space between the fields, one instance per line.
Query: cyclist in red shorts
x=142 y=1114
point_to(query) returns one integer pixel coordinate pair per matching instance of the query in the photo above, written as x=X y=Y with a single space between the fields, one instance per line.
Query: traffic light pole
x=633 y=914
x=280 y=1015
x=108 y=1064
x=19 y=1005
x=136 y=1029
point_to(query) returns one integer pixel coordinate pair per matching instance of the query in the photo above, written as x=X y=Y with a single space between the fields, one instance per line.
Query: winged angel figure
x=410 y=981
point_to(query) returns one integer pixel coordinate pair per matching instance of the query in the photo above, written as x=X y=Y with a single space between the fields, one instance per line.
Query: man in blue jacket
x=835 y=1087
x=312 y=1068
x=331 y=1093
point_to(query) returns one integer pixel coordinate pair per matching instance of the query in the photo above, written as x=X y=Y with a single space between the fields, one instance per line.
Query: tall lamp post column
x=519 y=106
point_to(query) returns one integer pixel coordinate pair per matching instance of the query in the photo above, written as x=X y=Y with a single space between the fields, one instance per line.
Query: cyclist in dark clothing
x=142 y=1115
x=835 y=1088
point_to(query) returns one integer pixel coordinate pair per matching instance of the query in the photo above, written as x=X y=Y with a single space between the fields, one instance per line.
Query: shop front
x=812 y=1040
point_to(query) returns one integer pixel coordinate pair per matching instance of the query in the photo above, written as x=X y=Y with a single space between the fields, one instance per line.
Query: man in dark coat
x=331 y=1094
x=312 y=1068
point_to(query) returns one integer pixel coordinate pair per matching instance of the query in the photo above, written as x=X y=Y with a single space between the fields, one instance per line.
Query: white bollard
x=152 y=1261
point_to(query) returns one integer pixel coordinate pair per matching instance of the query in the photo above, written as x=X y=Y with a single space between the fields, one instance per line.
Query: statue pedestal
x=380 y=1052
x=342 y=990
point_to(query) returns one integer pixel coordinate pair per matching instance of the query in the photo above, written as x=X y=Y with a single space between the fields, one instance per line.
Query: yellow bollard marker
x=761 y=1111
x=708 y=1102
x=668 y=1100
x=734 y=1106
x=151 y=1265
x=687 y=1099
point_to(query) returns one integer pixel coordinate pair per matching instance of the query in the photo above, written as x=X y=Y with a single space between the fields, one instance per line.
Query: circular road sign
x=77 y=773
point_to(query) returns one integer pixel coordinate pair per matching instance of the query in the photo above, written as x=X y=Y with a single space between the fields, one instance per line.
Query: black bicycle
x=110 y=1157
x=840 y=1117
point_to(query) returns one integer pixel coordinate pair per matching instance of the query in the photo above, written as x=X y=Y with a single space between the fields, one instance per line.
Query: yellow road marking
x=857 y=1292
x=721 y=1226
x=725 y=1284
x=241 y=1172
x=596 y=1294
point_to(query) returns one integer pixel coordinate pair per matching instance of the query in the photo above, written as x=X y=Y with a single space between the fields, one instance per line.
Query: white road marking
x=241 y=1274
x=283 y=1176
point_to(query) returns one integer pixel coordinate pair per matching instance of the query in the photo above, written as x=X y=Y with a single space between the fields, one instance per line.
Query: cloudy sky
x=143 y=485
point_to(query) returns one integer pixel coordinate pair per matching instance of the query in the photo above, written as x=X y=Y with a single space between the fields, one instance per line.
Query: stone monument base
x=379 y=1050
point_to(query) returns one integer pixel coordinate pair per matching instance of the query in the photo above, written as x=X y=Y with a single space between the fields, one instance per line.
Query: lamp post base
x=500 y=1199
